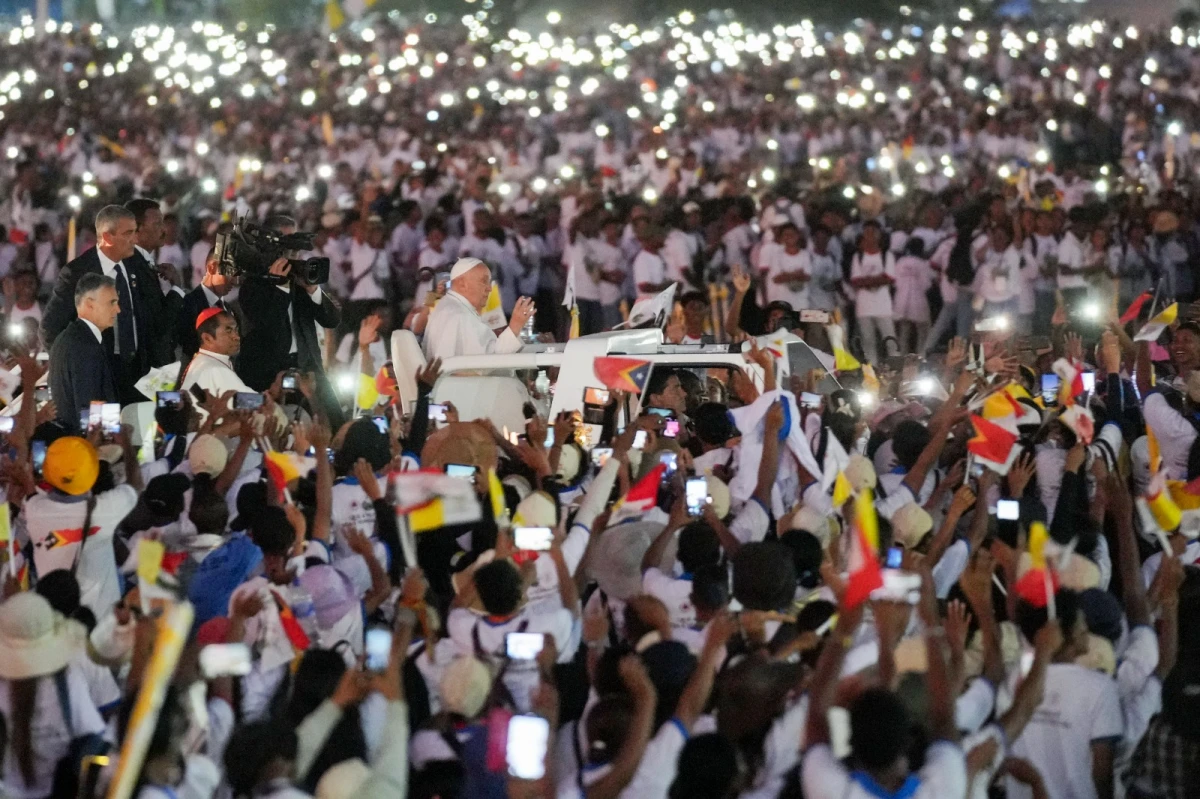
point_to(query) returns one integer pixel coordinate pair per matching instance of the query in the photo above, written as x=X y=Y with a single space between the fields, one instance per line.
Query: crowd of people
x=240 y=564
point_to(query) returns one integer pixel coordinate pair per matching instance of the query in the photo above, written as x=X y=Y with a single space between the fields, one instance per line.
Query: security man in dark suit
x=80 y=365
x=144 y=332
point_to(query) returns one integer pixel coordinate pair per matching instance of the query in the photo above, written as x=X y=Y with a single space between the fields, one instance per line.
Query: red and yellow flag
x=622 y=374
x=864 y=575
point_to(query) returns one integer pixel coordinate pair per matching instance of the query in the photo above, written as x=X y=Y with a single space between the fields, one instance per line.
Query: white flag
x=648 y=310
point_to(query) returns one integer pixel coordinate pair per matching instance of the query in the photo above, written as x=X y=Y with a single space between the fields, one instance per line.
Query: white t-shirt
x=998 y=277
x=648 y=268
x=368 y=271
x=943 y=775
x=1189 y=557
x=50 y=734
x=32 y=312
x=876 y=301
x=1080 y=706
x=1174 y=433
x=431 y=259
x=778 y=262
x=609 y=258
x=654 y=774
x=350 y=505
x=675 y=593
x=461 y=625
x=576 y=260
x=54 y=523
x=1070 y=254
x=102 y=686
x=737 y=244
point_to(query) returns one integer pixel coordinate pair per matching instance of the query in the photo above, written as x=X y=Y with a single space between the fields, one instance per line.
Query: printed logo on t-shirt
x=63 y=538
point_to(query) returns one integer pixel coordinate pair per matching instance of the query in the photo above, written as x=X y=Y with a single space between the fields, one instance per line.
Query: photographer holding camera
x=282 y=310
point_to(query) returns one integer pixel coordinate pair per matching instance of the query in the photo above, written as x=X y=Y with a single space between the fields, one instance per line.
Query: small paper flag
x=1155 y=453
x=622 y=374
x=1037 y=544
x=493 y=312
x=1155 y=327
x=149 y=560
x=496 y=492
x=841 y=490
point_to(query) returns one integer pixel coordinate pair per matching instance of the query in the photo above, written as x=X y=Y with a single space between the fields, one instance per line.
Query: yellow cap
x=71 y=466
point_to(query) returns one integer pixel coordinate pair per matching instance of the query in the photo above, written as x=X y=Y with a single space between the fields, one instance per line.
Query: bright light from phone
x=1091 y=310
x=347 y=382
x=866 y=399
x=16 y=330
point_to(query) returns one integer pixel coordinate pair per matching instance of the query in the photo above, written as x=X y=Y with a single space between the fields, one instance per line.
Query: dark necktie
x=125 y=321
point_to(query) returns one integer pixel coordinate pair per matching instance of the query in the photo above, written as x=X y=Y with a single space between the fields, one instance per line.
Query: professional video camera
x=249 y=249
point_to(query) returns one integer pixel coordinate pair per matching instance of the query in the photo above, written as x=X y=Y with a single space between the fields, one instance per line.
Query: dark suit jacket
x=267 y=337
x=155 y=314
x=81 y=372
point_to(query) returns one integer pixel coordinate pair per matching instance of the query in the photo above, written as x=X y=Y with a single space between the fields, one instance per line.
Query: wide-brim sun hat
x=35 y=640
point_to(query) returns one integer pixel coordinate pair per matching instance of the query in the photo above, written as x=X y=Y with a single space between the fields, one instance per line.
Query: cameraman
x=282 y=312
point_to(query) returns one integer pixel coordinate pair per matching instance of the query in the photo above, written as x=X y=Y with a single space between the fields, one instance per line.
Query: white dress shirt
x=286 y=288
x=164 y=284
x=455 y=328
x=109 y=268
x=95 y=330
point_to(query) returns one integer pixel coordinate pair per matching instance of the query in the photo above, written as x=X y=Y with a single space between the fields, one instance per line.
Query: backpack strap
x=63 y=691
x=85 y=532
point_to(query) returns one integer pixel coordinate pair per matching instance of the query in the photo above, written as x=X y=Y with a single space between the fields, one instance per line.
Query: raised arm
x=319 y=435
x=637 y=682
x=825 y=678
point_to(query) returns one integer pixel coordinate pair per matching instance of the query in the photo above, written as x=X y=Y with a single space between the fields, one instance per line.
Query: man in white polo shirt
x=455 y=327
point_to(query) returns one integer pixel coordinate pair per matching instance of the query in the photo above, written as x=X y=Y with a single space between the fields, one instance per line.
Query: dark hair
x=658 y=381
x=90 y=282
x=251 y=501
x=363 y=440
x=165 y=495
x=708 y=767
x=710 y=587
x=271 y=531
x=879 y=728
x=252 y=748
x=915 y=247
x=1189 y=615
x=209 y=326
x=1031 y=618
x=278 y=222
x=607 y=727
x=61 y=590
x=909 y=438
x=763 y=576
x=806 y=556
x=499 y=586
x=209 y=510
x=141 y=206
x=315 y=680
x=699 y=546
x=693 y=296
